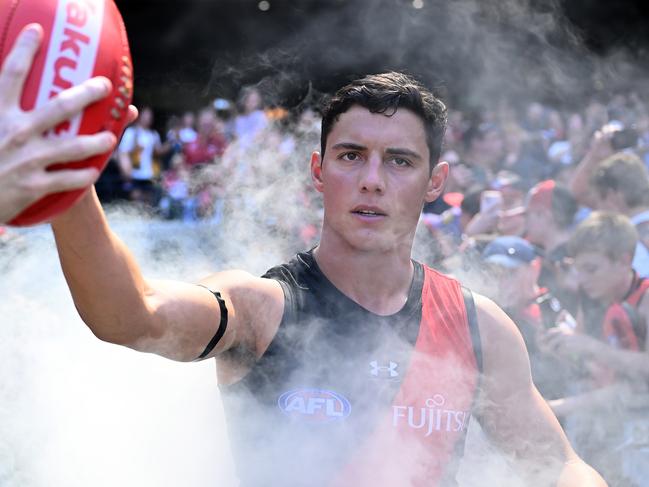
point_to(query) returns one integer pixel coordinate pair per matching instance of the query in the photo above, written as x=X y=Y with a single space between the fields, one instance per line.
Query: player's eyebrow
x=394 y=151
x=350 y=146
x=401 y=151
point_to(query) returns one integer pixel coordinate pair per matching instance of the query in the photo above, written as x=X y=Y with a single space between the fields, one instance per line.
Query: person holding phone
x=514 y=266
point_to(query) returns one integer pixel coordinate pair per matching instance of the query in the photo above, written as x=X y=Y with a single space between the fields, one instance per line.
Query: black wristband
x=222 y=325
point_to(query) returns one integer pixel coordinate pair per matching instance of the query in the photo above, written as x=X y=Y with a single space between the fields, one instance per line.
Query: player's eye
x=350 y=156
x=401 y=162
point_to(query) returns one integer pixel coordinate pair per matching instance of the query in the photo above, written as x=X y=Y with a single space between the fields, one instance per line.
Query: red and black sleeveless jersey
x=345 y=397
x=620 y=325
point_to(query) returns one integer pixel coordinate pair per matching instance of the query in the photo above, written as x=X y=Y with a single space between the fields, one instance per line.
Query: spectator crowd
x=546 y=211
x=214 y=161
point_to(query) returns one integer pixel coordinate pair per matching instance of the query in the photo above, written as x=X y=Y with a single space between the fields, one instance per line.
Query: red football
x=82 y=39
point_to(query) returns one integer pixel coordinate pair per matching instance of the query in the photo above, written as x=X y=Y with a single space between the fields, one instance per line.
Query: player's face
x=375 y=178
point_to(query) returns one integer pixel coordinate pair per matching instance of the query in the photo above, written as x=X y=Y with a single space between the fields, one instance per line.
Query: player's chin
x=374 y=241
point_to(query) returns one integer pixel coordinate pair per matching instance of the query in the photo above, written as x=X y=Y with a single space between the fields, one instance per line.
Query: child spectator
x=609 y=341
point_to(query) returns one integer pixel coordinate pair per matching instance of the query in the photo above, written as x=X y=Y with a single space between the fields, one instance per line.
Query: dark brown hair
x=385 y=93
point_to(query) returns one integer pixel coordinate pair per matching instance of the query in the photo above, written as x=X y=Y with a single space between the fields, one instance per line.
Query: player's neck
x=377 y=280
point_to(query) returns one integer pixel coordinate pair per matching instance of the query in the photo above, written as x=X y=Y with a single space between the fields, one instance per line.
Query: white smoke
x=76 y=412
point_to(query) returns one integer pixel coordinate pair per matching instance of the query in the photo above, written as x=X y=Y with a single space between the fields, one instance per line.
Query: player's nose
x=372 y=175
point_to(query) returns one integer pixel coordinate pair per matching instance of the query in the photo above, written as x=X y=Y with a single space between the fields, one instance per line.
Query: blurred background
x=186 y=52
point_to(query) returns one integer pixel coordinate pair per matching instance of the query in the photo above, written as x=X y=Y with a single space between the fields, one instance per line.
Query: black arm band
x=222 y=326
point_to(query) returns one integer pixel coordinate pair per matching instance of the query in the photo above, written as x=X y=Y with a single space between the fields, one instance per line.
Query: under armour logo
x=384 y=370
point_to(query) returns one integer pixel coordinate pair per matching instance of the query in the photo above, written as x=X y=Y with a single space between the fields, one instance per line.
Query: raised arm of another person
x=177 y=320
x=24 y=153
x=514 y=414
x=600 y=148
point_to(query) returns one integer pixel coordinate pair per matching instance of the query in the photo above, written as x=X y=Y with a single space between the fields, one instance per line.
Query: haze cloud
x=77 y=412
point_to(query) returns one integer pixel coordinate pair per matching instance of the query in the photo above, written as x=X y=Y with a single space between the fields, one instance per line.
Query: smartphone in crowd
x=490 y=201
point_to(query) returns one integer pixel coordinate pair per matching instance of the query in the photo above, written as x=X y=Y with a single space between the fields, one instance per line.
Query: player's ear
x=316 y=171
x=437 y=181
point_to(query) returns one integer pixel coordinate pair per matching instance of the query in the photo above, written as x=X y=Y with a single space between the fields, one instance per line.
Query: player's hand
x=132 y=114
x=24 y=153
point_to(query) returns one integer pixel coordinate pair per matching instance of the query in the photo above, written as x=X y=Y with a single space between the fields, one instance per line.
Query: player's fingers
x=68 y=179
x=75 y=149
x=70 y=103
x=17 y=65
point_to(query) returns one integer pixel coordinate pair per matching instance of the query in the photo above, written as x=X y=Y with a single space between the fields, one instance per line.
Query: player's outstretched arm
x=24 y=152
x=514 y=414
x=174 y=319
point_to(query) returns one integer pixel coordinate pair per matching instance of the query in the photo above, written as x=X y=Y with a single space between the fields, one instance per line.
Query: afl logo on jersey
x=314 y=405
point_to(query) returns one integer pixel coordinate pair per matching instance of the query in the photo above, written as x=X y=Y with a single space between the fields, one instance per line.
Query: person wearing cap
x=515 y=265
x=516 y=268
x=550 y=213
x=549 y=220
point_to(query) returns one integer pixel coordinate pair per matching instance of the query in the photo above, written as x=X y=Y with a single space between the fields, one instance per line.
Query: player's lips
x=369 y=211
